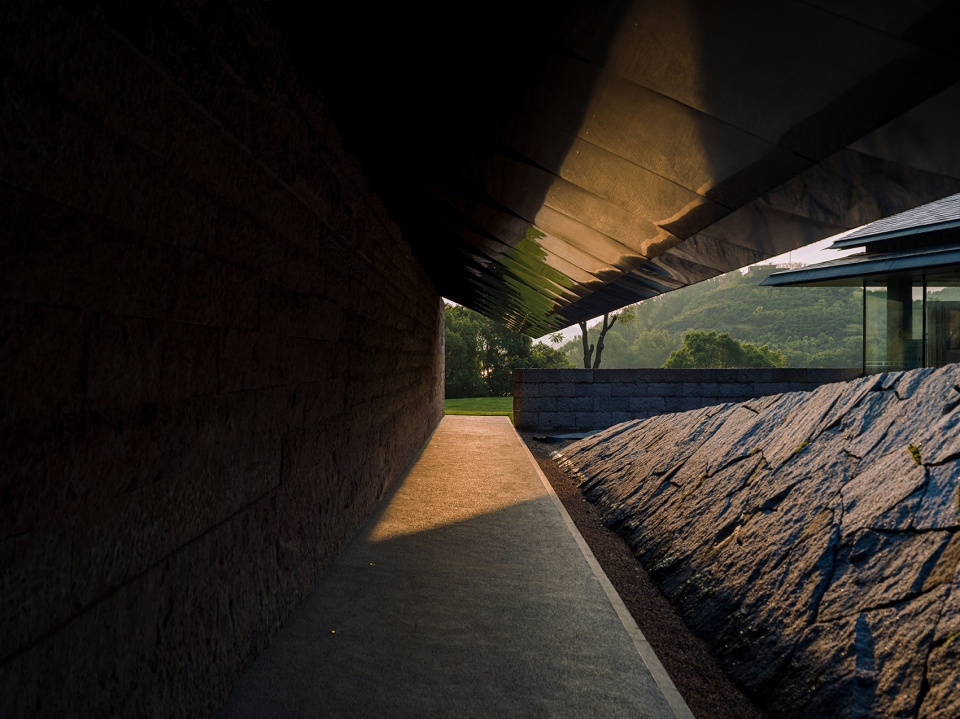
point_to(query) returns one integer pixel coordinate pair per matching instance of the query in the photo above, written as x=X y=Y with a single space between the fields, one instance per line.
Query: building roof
x=935 y=216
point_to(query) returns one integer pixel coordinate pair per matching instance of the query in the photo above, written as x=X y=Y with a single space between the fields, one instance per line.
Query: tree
x=650 y=349
x=501 y=350
x=545 y=357
x=481 y=354
x=608 y=322
x=719 y=349
x=462 y=364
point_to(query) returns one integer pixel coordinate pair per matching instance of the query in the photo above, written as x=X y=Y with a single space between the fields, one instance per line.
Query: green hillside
x=812 y=326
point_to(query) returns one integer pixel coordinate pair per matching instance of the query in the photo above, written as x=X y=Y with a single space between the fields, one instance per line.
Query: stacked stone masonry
x=584 y=399
x=218 y=353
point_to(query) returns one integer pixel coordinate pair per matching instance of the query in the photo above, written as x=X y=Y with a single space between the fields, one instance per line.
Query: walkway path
x=468 y=594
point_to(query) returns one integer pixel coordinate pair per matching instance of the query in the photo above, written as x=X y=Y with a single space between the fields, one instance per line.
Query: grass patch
x=487 y=406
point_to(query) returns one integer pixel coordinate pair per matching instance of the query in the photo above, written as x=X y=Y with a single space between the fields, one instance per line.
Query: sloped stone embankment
x=811 y=538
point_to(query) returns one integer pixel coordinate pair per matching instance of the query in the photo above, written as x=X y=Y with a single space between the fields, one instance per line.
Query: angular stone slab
x=813 y=539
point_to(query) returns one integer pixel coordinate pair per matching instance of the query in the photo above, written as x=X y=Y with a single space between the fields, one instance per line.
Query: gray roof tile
x=937 y=215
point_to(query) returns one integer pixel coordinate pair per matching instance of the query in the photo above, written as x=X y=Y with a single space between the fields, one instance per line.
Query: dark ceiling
x=549 y=162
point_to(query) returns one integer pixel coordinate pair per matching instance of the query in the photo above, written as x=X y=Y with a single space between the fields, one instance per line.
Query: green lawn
x=480 y=405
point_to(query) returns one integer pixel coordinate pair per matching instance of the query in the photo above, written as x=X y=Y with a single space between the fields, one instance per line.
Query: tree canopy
x=481 y=354
x=719 y=350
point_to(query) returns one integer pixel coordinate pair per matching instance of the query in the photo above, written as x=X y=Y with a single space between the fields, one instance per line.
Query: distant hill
x=812 y=326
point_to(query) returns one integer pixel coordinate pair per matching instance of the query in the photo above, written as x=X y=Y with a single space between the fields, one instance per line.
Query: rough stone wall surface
x=812 y=539
x=585 y=399
x=217 y=352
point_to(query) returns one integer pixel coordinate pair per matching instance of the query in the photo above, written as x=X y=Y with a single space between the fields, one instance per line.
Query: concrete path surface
x=469 y=593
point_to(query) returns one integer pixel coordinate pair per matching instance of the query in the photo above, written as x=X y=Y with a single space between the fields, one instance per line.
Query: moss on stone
x=914 y=451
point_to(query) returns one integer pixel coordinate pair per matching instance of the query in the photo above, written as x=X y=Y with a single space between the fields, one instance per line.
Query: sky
x=811 y=254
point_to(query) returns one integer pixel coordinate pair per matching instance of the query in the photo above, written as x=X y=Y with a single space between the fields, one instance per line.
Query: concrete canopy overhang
x=549 y=162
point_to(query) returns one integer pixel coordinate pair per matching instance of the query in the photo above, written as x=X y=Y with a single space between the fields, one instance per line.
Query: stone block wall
x=217 y=352
x=585 y=399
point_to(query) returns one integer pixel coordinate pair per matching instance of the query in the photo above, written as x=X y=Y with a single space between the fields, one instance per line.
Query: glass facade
x=943 y=320
x=911 y=322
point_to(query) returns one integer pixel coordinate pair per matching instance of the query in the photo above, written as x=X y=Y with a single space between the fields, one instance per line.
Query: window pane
x=875 y=329
x=893 y=325
x=943 y=321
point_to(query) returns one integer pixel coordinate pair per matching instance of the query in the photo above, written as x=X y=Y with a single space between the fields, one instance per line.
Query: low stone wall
x=811 y=539
x=584 y=399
